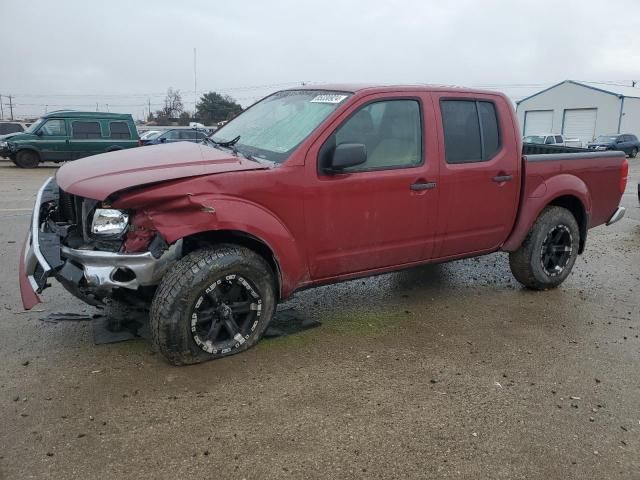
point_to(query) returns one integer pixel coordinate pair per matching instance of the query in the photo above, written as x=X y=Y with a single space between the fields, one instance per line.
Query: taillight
x=624 y=175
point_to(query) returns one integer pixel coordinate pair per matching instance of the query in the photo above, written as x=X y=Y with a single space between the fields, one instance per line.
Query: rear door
x=86 y=138
x=480 y=174
x=380 y=213
x=120 y=135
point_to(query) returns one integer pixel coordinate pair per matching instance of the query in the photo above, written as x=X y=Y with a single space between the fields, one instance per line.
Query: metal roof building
x=581 y=110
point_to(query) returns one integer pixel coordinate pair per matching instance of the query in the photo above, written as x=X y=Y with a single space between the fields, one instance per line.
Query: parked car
x=552 y=139
x=10 y=126
x=149 y=134
x=625 y=142
x=307 y=187
x=67 y=135
x=175 y=135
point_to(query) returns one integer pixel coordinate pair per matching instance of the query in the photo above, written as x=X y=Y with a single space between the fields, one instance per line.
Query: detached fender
x=542 y=194
x=195 y=214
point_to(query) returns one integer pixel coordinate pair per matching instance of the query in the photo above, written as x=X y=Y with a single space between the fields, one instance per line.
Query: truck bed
x=594 y=175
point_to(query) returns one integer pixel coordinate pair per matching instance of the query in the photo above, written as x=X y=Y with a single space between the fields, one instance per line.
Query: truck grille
x=67 y=208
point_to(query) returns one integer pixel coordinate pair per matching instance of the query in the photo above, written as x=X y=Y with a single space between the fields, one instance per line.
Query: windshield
x=35 y=125
x=533 y=139
x=272 y=128
x=606 y=138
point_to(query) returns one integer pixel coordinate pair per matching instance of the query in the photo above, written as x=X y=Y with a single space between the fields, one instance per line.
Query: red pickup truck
x=307 y=187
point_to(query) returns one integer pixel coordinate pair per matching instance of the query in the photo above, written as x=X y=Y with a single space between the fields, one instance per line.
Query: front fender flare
x=197 y=214
x=542 y=196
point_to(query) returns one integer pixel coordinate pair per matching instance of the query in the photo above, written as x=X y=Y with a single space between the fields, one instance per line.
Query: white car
x=553 y=139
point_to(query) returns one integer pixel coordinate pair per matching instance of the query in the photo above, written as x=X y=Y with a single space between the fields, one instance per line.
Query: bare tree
x=173 y=106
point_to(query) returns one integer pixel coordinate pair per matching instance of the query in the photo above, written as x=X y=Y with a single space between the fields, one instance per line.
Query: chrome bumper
x=84 y=271
x=619 y=213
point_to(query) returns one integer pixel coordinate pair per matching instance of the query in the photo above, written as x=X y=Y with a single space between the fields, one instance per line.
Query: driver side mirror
x=163 y=140
x=347 y=155
x=39 y=133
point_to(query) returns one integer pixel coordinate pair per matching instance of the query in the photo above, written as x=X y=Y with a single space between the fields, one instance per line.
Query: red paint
x=322 y=228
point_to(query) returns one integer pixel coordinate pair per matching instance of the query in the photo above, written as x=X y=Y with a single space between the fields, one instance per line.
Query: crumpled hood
x=99 y=176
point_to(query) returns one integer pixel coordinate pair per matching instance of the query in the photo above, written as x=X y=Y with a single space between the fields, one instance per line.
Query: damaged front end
x=89 y=256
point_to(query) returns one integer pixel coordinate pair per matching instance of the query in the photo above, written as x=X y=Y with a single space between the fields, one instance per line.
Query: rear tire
x=27 y=159
x=213 y=303
x=548 y=253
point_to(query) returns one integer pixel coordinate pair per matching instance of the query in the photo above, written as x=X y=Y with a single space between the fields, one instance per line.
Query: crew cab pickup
x=307 y=187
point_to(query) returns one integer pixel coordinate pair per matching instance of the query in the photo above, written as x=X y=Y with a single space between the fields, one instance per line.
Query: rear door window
x=86 y=130
x=119 y=130
x=471 y=130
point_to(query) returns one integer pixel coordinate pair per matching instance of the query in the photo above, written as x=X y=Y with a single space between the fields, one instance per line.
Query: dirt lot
x=448 y=371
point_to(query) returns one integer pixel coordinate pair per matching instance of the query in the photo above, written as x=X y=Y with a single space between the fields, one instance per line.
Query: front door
x=480 y=174
x=380 y=213
x=53 y=140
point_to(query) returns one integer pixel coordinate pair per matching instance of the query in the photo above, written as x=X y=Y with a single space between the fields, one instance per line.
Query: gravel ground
x=445 y=371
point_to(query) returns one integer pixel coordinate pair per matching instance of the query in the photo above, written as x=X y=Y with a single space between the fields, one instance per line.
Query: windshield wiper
x=230 y=143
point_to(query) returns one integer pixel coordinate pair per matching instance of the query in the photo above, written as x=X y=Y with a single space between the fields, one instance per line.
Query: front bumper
x=619 y=213
x=89 y=274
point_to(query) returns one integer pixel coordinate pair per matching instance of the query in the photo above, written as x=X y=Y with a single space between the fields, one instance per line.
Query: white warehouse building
x=581 y=110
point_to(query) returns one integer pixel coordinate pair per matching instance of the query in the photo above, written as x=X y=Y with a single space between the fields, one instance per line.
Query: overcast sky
x=75 y=53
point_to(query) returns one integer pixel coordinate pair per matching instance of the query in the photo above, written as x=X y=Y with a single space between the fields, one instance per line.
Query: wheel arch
x=567 y=191
x=215 y=237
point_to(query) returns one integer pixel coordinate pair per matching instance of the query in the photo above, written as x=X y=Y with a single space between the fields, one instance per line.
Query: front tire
x=212 y=303
x=633 y=153
x=27 y=159
x=548 y=253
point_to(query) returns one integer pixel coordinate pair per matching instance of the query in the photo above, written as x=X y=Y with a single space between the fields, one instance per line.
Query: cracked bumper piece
x=88 y=274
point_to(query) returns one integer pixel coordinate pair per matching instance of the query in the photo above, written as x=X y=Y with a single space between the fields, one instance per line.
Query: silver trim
x=616 y=216
x=99 y=267
x=35 y=227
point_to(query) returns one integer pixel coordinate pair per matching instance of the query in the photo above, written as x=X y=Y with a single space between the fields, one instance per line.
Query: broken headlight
x=109 y=221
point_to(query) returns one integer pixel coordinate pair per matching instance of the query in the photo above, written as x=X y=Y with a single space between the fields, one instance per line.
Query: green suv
x=67 y=135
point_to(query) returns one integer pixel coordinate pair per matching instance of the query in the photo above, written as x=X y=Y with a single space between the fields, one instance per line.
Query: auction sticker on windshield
x=328 y=98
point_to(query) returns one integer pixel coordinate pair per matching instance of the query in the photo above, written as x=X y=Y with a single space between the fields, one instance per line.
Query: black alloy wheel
x=225 y=314
x=556 y=250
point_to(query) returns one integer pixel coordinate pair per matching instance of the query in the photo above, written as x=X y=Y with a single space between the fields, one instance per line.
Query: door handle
x=502 y=178
x=417 y=187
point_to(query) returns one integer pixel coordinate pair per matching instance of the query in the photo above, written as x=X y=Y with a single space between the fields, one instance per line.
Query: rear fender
x=196 y=214
x=544 y=194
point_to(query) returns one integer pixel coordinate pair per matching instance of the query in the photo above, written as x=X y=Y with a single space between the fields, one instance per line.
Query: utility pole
x=1 y=109
x=195 y=84
x=96 y=106
x=10 y=107
x=149 y=102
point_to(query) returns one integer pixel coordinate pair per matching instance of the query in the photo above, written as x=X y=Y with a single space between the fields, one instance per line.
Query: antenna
x=195 y=83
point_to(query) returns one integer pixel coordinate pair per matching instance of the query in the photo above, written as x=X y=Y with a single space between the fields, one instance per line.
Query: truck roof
x=363 y=87
x=76 y=114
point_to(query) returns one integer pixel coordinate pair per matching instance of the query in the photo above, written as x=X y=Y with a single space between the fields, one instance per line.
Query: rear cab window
x=471 y=130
